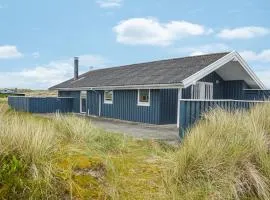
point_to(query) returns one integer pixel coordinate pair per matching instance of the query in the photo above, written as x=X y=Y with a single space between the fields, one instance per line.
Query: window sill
x=108 y=102
x=143 y=104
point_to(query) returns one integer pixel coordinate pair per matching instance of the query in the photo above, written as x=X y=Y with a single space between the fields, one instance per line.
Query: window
x=144 y=97
x=202 y=90
x=108 y=96
x=83 y=101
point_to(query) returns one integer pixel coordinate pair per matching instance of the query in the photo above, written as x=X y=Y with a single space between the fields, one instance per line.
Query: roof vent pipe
x=76 y=68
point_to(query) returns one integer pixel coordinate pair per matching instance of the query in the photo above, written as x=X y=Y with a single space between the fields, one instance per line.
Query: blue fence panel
x=192 y=110
x=257 y=94
x=41 y=104
x=19 y=103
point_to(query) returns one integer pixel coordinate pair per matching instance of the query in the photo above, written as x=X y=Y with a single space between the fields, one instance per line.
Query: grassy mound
x=67 y=157
x=225 y=156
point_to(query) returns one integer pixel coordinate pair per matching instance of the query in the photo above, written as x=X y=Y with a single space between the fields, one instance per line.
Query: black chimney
x=76 y=68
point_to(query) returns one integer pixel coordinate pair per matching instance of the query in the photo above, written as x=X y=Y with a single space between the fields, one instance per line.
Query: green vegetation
x=2 y=96
x=225 y=156
x=3 y=100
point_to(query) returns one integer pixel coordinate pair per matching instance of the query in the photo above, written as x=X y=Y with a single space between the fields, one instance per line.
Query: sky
x=38 y=39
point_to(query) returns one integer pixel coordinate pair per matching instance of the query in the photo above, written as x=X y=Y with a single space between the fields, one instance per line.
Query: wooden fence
x=41 y=104
x=192 y=110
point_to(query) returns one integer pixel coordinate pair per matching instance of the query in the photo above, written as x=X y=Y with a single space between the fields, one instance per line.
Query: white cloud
x=263 y=56
x=8 y=52
x=36 y=54
x=44 y=76
x=244 y=32
x=264 y=75
x=261 y=62
x=149 y=31
x=204 y=49
x=109 y=3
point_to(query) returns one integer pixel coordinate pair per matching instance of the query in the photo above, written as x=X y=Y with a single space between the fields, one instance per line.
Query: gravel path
x=138 y=130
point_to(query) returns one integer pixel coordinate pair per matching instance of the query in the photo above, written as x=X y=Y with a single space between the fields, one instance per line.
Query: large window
x=144 y=97
x=202 y=90
x=108 y=96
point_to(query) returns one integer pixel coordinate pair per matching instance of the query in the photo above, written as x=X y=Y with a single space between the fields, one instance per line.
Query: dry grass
x=225 y=156
x=68 y=157
x=39 y=93
x=3 y=101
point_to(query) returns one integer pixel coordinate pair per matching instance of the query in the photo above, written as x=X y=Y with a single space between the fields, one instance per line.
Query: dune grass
x=67 y=157
x=225 y=156
x=3 y=100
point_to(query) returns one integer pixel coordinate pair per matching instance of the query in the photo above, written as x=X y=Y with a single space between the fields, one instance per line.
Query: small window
x=144 y=97
x=108 y=96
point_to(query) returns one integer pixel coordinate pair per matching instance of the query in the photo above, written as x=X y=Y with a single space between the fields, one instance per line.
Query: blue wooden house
x=150 y=92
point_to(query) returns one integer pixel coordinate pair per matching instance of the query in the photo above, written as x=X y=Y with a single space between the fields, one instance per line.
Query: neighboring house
x=6 y=91
x=149 y=92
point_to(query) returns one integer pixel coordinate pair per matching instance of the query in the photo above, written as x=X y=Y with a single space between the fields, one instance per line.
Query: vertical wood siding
x=19 y=103
x=41 y=104
x=257 y=94
x=125 y=107
x=168 y=106
x=234 y=89
x=93 y=102
x=75 y=95
x=221 y=89
x=211 y=78
x=192 y=110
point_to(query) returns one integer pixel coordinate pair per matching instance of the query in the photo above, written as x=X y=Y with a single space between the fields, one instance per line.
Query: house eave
x=124 y=87
x=219 y=63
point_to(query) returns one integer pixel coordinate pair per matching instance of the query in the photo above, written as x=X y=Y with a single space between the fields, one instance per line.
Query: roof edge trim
x=127 y=87
x=219 y=63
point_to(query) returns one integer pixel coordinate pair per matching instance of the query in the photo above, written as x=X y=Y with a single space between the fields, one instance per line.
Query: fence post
x=182 y=119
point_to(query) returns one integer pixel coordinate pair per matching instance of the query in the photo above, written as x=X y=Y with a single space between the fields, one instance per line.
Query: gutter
x=128 y=87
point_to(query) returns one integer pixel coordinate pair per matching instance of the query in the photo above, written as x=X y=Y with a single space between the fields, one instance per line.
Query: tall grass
x=225 y=156
x=67 y=157
x=27 y=150
x=38 y=157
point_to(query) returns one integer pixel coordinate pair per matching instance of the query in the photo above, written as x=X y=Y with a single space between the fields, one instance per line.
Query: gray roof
x=169 y=71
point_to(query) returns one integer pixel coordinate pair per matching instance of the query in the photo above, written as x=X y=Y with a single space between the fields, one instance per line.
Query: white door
x=83 y=101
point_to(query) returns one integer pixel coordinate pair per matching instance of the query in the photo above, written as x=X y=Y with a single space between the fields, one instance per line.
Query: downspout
x=178 y=106
x=99 y=107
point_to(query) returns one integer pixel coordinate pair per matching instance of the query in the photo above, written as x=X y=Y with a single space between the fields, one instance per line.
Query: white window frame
x=83 y=96
x=201 y=92
x=143 y=103
x=108 y=101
